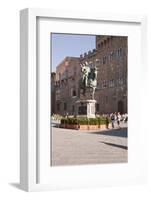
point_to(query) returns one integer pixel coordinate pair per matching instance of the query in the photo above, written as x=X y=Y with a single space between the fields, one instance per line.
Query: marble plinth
x=85 y=108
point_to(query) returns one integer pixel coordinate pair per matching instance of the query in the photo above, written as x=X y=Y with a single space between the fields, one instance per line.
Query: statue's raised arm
x=85 y=74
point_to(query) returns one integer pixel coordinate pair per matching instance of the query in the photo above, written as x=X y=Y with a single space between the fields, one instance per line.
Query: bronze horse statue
x=89 y=79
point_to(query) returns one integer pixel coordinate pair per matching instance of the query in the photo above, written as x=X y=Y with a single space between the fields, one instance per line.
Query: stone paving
x=75 y=147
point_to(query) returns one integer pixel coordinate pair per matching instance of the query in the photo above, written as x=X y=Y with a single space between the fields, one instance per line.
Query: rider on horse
x=89 y=78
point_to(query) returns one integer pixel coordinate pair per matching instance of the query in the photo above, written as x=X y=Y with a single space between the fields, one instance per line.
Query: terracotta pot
x=83 y=127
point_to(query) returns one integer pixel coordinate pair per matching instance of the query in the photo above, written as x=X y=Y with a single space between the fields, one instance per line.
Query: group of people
x=118 y=118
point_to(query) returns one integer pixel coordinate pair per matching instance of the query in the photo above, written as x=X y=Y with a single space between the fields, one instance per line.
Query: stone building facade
x=110 y=58
x=66 y=86
x=53 y=92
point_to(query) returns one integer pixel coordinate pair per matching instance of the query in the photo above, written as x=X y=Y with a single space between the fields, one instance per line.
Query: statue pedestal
x=85 y=108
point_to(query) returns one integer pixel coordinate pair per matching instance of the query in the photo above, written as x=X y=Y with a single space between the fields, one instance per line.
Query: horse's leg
x=90 y=92
x=93 y=91
x=83 y=86
x=84 y=90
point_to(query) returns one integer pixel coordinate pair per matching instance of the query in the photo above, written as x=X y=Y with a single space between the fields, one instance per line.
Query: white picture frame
x=29 y=109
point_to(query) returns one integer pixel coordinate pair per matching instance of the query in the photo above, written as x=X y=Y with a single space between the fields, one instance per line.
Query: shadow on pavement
x=116 y=145
x=122 y=132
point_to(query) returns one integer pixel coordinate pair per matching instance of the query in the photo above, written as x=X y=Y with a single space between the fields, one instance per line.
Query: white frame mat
x=35 y=170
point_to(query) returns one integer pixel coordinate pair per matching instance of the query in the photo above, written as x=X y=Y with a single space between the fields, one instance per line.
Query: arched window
x=99 y=46
x=73 y=92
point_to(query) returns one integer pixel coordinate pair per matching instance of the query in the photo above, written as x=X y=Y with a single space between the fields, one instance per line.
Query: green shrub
x=69 y=121
x=64 y=121
x=93 y=121
x=85 y=121
x=72 y=121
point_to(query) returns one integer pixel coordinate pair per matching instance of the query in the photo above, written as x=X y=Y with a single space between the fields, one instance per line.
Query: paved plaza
x=74 y=147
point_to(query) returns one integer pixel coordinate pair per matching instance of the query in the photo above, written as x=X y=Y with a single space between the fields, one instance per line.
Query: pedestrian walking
x=126 y=117
x=112 y=119
x=118 y=119
x=107 y=122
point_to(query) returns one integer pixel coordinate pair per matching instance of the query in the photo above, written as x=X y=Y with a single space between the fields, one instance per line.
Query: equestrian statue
x=88 y=79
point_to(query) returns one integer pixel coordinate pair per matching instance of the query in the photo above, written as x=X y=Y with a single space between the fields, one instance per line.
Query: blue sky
x=69 y=45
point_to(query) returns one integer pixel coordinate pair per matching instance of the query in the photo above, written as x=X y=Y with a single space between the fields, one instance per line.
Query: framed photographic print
x=82 y=80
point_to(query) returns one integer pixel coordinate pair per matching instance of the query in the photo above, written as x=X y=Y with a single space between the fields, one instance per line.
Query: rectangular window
x=104 y=59
x=97 y=62
x=120 y=81
x=66 y=63
x=58 y=106
x=111 y=56
x=59 y=76
x=104 y=84
x=73 y=109
x=82 y=110
x=66 y=73
x=106 y=99
x=58 y=94
x=65 y=106
x=120 y=52
x=97 y=107
x=111 y=83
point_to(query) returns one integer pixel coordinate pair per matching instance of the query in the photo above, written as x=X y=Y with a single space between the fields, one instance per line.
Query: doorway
x=120 y=107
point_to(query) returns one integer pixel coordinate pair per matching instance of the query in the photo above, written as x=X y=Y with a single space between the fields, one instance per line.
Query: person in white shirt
x=118 y=119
